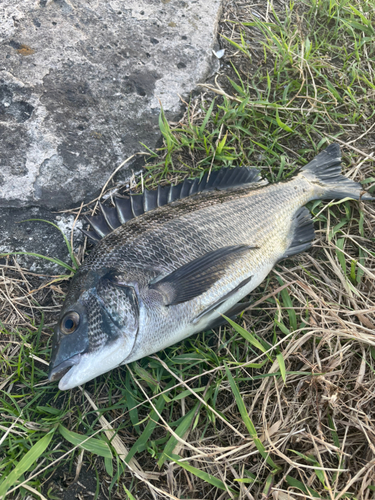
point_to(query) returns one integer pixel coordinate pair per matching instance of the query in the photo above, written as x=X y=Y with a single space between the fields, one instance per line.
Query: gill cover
x=120 y=303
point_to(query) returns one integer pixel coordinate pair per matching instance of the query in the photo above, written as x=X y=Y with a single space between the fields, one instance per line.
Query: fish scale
x=196 y=232
x=174 y=267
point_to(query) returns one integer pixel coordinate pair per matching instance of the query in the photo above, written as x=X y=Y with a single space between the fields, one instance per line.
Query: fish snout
x=56 y=372
x=70 y=340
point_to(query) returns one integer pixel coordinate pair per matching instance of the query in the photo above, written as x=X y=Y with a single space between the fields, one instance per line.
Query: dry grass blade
x=119 y=446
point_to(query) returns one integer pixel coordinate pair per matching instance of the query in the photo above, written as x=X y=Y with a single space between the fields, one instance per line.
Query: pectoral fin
x=196 y=277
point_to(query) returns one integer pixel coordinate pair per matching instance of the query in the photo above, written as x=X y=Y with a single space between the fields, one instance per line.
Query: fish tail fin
x=325 y=170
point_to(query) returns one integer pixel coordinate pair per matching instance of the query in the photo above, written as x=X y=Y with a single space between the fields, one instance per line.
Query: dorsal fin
x=130 y=207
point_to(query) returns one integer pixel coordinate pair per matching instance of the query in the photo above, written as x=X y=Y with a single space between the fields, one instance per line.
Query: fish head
x=96 y=330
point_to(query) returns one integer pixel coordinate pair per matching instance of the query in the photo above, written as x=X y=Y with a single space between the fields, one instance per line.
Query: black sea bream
x=169 y=262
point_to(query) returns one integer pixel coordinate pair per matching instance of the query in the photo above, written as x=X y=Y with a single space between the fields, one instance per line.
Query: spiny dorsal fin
x=136 y=204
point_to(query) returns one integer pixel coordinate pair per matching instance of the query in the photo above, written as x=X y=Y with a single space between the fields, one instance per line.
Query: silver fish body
x=174 y=269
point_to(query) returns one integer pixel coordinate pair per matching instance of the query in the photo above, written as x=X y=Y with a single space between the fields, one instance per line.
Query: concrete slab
x=80 y=83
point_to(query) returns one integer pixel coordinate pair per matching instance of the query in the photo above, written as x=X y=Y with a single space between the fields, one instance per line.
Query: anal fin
x=303 y=233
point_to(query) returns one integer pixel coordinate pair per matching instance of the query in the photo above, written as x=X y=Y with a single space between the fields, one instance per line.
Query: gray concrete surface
x=80 y=84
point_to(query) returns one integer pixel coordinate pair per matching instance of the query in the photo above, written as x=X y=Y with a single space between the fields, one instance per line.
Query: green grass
x=280 y=401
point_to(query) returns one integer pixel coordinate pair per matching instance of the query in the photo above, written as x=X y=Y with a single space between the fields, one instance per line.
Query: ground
x=280 y=405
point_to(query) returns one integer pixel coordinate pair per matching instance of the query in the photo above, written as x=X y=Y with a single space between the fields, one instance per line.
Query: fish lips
x=57 y=372
x=93 y=364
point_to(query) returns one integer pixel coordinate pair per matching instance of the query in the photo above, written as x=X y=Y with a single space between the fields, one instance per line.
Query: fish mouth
x=85 y=366
x=57 y=372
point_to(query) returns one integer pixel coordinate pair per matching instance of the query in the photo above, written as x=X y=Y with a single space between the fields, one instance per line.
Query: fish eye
x=69 y=323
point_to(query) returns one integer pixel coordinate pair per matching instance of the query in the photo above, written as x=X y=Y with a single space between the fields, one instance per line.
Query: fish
x=171 y=262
